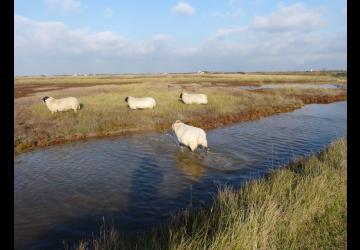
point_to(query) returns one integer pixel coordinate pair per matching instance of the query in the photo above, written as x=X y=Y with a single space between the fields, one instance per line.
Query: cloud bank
x=183 y=8
x=296 y=43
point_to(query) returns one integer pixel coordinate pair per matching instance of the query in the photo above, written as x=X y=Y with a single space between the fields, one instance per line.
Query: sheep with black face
x=140 y=102
x=63 y=104
x=188 y=98
x=190 y=136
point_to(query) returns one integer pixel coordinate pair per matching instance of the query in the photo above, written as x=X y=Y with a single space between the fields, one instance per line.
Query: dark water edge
x=65 y=192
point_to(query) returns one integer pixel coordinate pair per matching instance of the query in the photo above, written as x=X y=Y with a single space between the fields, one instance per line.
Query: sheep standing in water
x=190 y=136
x=140 y=102
x=193 y=98
x=63 y=104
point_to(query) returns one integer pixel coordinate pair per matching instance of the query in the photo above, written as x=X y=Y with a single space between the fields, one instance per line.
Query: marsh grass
x=185 y=78
x=104 y=111
x=301 y=206
x=108 y=113
x=309 y=96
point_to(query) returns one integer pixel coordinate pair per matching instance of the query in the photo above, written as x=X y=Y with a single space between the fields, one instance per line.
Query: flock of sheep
x=187 y=135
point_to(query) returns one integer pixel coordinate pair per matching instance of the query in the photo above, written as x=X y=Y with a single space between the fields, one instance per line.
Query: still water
x=296 y=85
x=65 y=192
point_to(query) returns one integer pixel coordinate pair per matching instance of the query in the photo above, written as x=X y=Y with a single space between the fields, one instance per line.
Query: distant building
x=200 y=72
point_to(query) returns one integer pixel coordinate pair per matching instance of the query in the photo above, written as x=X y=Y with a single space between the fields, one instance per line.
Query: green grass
x=301 y=206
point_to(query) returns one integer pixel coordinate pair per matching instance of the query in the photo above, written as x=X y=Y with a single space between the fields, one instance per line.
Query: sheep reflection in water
x=191 y=164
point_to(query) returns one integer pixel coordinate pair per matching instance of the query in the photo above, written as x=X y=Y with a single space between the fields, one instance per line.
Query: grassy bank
x=301 y=206
x=105 y=112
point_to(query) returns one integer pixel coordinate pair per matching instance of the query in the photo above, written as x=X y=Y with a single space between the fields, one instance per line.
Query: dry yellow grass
x=185 y=78
x=104 y=111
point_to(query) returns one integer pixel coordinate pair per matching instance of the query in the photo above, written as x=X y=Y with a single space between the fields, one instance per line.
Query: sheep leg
x=193 y=146
x=75 y=110
x=202 y=141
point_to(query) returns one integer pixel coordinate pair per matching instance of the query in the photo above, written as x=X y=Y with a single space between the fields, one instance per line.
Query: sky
x=155 y=36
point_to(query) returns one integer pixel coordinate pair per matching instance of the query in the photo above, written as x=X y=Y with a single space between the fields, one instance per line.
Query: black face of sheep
x=126 y=99
x=181 y=95
x=45 y=98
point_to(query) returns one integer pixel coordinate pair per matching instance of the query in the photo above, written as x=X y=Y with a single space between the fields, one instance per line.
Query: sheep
x=193 y=98
x=63 y=104
x=140 y=102
x=190 y=136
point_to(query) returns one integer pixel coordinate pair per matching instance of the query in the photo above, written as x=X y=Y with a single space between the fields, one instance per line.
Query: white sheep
x=193 y=98
x=190 y=136
x=63 y=104
x=140 y=102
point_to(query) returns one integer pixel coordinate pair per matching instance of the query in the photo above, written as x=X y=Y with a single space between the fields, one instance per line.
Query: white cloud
x=162 y=38
x=55 y=37
x=267 y=52
x=287 y=18
x=108 y=12
x=54 y=48
x=183 y=8
x=64 y=5
x=156 y=44
x=187 y=51
x=293 y=39
x=224 y=32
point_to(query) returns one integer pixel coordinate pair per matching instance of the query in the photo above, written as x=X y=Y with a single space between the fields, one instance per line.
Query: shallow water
x=65 y=192
x=296 y=85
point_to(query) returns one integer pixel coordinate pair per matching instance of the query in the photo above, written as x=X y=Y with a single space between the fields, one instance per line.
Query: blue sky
x=74 y=36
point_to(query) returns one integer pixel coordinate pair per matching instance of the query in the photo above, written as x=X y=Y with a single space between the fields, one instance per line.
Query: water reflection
x=295 y=85
x=64 y=192
x=190 y=164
